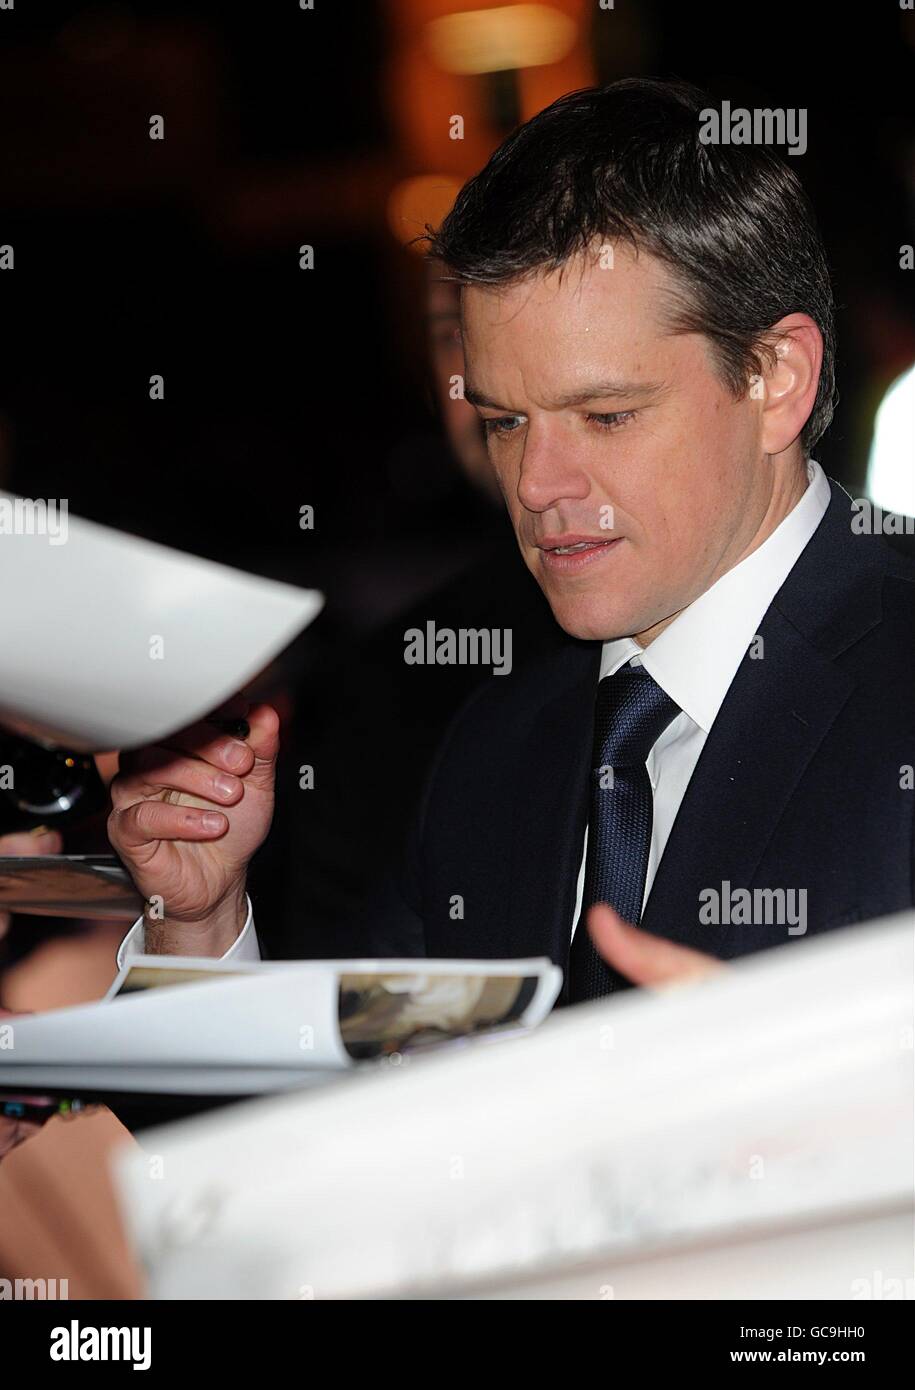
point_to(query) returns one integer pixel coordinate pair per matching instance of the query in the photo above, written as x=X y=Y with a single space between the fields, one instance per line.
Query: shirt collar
x=696 y=658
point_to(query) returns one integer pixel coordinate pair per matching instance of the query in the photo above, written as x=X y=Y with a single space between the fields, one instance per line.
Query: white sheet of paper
x=271 y=1014
x=85 y=617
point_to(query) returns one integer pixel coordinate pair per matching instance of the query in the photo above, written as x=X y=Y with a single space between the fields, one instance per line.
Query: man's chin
x=595 y=625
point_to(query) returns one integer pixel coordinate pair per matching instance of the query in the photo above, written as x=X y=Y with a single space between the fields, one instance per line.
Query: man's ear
x=791 y=375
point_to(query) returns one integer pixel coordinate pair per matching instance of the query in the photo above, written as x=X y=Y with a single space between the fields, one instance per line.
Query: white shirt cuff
x=244 y=948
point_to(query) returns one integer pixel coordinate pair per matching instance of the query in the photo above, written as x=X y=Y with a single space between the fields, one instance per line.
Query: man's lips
x=570 y=552
x=572 y=540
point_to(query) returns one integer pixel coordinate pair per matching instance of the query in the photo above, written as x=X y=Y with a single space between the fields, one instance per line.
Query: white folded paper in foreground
x=110 y=641
x=778 y=1092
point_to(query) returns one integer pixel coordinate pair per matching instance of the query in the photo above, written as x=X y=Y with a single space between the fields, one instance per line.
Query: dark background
x=286 y=387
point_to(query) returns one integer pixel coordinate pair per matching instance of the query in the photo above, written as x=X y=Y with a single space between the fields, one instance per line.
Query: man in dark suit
x=722 y=753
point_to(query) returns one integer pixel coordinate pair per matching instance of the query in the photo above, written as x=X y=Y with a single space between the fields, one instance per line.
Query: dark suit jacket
x=801 y=784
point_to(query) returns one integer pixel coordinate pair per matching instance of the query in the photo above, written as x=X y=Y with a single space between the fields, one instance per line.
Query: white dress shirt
x=693 y=660
x=244 y=947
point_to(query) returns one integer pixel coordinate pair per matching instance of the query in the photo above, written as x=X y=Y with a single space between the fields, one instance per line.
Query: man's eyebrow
x=606 y=390
x=594 y=391
x=477 y=397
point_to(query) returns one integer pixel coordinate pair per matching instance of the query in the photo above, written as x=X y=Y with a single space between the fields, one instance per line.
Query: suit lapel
x=776 y=714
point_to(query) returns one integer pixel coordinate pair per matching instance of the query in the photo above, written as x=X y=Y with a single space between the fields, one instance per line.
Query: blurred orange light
x=512 y=36
x=414 y=202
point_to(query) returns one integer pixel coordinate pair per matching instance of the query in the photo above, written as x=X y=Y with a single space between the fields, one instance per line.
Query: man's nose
x=549 y=472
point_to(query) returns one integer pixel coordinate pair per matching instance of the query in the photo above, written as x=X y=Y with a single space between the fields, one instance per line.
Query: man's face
x=632 y=476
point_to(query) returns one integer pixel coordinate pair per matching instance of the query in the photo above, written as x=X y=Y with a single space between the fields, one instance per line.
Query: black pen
x=238 y=728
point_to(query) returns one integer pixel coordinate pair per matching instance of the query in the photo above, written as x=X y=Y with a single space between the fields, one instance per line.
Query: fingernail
x=40 y=830
x=225 y=784
x=212 y=820
x=236 y=754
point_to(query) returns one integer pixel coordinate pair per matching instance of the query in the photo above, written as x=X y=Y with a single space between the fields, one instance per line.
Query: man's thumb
x=641 y=957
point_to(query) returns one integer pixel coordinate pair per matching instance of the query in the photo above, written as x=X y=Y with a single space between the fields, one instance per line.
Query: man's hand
x=642 y=958
x=188 y=815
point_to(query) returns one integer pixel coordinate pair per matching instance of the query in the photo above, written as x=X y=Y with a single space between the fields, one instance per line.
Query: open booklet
x=112 y=642
x=210 y=1027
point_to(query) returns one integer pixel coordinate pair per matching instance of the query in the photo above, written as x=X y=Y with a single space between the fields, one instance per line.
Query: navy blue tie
x=631 y=714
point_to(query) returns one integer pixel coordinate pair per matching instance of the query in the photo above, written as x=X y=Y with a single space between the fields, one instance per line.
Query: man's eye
x=612 y=421
x=502 y=424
